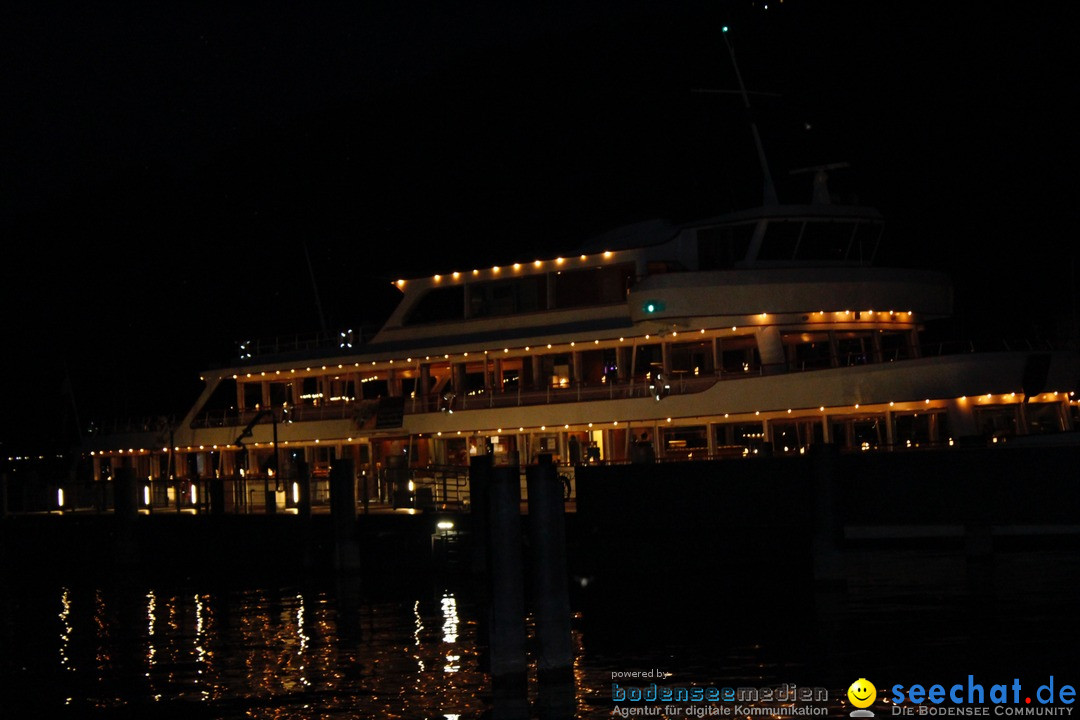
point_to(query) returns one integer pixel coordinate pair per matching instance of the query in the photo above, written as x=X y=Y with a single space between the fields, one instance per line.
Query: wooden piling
x=343 y=512
x=507 y=641
x=551 y=598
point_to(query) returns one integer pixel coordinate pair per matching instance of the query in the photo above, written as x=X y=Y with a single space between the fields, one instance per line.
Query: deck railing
x=679 y=382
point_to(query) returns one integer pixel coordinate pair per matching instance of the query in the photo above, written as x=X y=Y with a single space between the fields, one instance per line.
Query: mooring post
x=125 y=493
x=303 y=484
x=551 y=597
x=125 y=510
x=828 y=560
x=217 y=496
x=507 y=643
x=343 y=513
x=480 y=503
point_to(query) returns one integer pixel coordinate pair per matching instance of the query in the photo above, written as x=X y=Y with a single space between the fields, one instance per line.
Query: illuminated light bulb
x=543 y=427
x=584 y=258
x=607 y=253
x=590 y=424
x=517 y=266
x=495 y=269
x=537 y=263
x=559 y=261
x=400 y=283
x=856 y=406
x=438 y=278
x=456 y=274
x=733 y=328
x=566 y=427
x=822 y=408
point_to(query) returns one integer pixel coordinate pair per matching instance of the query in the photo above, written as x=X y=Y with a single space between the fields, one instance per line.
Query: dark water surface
x=145 y=646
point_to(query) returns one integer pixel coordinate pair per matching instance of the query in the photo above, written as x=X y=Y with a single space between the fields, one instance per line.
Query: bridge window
x=593 y=286
x=781 y=240
x=722 y=247
x=508 y=297
x=438 y=305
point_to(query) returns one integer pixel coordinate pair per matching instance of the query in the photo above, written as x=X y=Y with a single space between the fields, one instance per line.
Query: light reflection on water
x=333 y=649
x=242 y=652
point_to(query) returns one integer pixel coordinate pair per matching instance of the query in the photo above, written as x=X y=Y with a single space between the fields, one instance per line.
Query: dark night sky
x=164 y=165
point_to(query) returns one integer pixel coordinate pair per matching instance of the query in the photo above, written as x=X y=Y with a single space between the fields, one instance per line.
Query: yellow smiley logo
x=862 y=693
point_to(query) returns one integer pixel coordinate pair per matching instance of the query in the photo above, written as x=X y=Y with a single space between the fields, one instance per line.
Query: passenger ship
x=758 y=332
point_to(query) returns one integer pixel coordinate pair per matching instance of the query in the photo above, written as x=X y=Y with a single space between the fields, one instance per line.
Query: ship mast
x=769 y=190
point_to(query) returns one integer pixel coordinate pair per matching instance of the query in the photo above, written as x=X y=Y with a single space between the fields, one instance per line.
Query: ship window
x=912 y=430
x=1043 y=418
x=280 y=393
x=793 y=436
x=694 y=358
x=683 y=442
x=853 y=350
x=593 y=286
x=508 y=297
x=722 y=247
x=438 y=305
x=826 y=241
x=749 y=435
x=996 y=420
x=867 y=236
x=895 y=345
x=808 y=350
x=252 y=395
x=781 y=239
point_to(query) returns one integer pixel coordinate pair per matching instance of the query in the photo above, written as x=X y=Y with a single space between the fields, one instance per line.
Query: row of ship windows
x=495 y=298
